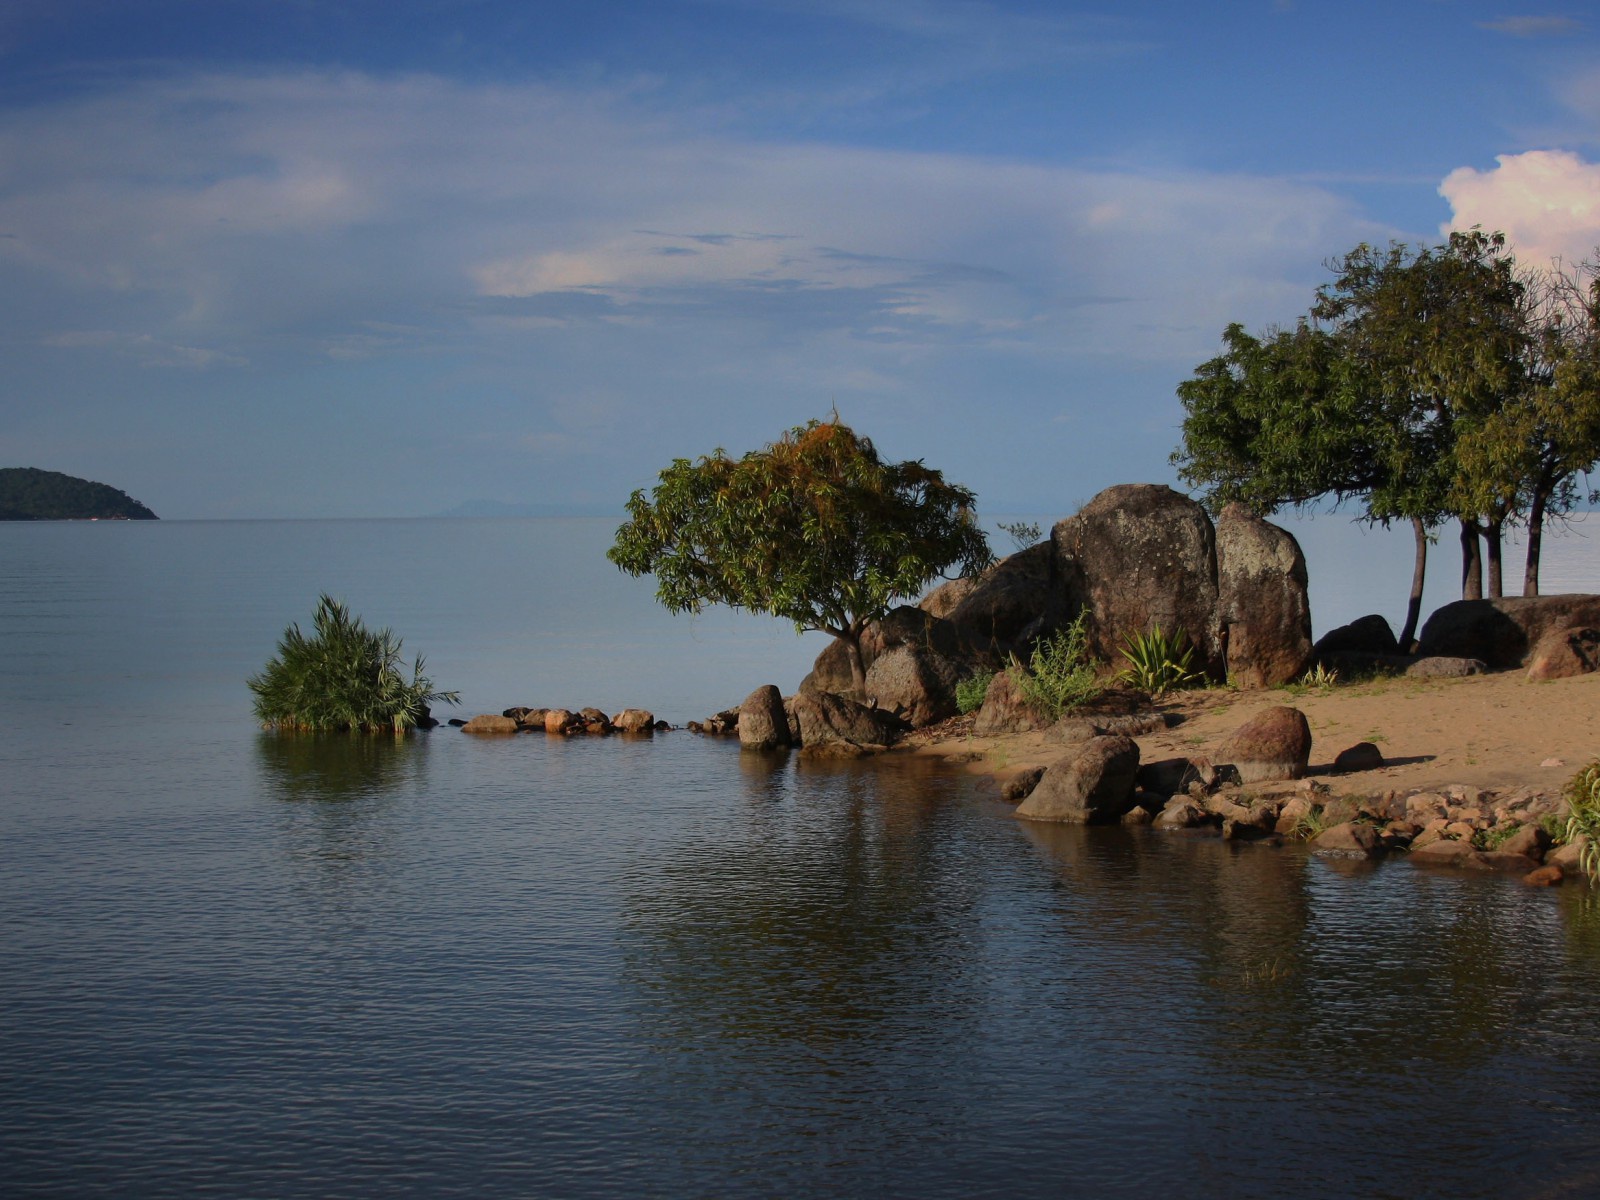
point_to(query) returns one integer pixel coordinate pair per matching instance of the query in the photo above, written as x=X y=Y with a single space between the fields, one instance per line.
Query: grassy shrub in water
x=344 y=676
x=1583 y=816
x=1060 y=676
x=971 y=691
x=1159 y=664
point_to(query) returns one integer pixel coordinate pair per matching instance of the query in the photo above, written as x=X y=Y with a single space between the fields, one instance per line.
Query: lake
x=237 y=964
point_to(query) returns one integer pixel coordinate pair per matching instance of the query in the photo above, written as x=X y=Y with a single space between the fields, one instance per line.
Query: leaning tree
x=815 y=528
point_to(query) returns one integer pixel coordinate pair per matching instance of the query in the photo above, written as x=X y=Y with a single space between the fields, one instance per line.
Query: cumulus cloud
x=1546 y=201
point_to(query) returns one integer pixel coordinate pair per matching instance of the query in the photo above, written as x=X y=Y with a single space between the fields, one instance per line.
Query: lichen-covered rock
x=1265 y=606
x=763 y=722
x=917 y=683
x=1439 y=666
x=1140 y=557
x=1274 y=744
x=1006 y=710
x=1095 y=783
x=826 y=720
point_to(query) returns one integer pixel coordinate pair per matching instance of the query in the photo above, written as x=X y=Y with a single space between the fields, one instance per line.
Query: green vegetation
x=1430 y=384
x=814 y=527
x=1320 y=678
x=971 y=691
x=29 y=494
x=343 y=677
x=1159 y=664
x=1023 y=534
x=1309 y=826
x=1060 y=675
x=1583 y=816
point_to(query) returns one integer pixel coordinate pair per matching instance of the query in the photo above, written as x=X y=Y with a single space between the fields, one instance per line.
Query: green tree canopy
x=815 y=528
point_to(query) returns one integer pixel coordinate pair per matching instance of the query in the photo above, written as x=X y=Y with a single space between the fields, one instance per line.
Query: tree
x=815 y=528
x=1290 y=419
x=1439 y=334
x=343 y=677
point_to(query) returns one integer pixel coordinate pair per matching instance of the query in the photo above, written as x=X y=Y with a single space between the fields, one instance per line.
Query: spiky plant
x=1583 y=816
x=344 y=676
x=1158 y=663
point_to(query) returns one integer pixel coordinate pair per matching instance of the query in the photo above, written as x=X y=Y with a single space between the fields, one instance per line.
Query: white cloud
x=1546 y=201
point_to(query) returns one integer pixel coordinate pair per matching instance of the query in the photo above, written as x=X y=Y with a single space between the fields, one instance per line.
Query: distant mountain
x=29 y=494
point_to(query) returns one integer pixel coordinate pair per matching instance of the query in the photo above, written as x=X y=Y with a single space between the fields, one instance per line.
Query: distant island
x=29 y=494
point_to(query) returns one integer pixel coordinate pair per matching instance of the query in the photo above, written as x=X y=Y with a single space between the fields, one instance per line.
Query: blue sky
x=339 y=258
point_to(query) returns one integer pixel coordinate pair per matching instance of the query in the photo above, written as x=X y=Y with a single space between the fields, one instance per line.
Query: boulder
x=1366 y=635
x=1136 y=558
x=490 y=723
x=1264 y=602
x=1568 y=856
x=763 y=723
x=828 y=720
x=1171 y=776
x=1445 y=852
x=1274 y=744
x=830 y=673
x=1363 y=756
x=1439 y=666
x=1094 y=783
x=561 y=720
x=1181 y=814
x=595 y=721
x=634 y=720
x=995 y=608
x=917 y=683
x=518 y=714
x=1021 y=785
x=1503 y=633
x=1530 y=841
x=1006 y=710
x=1546 y=876
x=1349 y=840
x=1563 y=653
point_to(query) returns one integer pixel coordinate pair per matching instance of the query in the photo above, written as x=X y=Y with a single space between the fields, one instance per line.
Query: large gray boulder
x=1094 y=783
x=829 y=721
x=1504 y=632
x=1264 y=602
x=763 y=723
x=993 y=609
x=1563 y=653
x=1137 y=557
x=917 y=683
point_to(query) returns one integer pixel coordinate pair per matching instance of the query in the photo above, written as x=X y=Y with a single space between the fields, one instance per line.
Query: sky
x=336 y=258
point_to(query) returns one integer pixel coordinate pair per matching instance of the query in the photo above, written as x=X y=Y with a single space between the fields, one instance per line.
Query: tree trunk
x=858 y=673
x=1471 y=562
x=1530 y=573
x=1491 y=540
x=1419 y=571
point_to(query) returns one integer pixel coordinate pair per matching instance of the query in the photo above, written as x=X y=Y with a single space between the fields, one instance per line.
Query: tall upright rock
x=1263 y=598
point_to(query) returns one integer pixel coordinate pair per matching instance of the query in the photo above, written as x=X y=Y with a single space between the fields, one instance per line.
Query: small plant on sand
x=971 y=691
x=344 y=676
x=1583 y=815
x=1060 y=675
x=1159 y=664
x=1320 y=678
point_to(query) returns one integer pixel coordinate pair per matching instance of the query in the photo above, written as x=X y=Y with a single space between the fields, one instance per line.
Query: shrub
x=1583 y=815
x=342 y=677
x=1060 y=675
x=1159 y=664
x=1023 y=534
x=971 y=691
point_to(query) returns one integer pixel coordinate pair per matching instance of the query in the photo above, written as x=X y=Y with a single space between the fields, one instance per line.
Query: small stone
x=1554 y=762
x=1546 y=876
x=1349 y=840
x=1363 y=756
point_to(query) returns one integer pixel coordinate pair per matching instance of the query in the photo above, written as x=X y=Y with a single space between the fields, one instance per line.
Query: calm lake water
x=243 y=965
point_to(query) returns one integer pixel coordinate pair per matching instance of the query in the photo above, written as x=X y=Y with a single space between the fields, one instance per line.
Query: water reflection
x=337 y=766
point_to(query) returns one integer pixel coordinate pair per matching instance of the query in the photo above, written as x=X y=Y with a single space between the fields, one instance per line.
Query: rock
x=1422 y=807
x=1095 y=783
x=490 y=723
x=561 y=720
x=1530 y=841
x=595 y=721
x=1546 y=876
x=1500 y=860
x=1569 y=856
x=917 y=683
x=1181 y=814
x=1563 y=653
x=1368 y=635
x=1264 y=603
x=1170 y=776
x=517 y=714
x=457 y=722
x=994 y=609
x=1294 y=810
x=827 y=720
x=763 y=722
x=1443 y=852
x=533 y=718
x=1350 y=840
x=1363 y=756
x=1021 y=785
x=1438 y=666
x=1138 y=815
x=830 y=673
x=1503 y=633
x=1139 y=557
x=1274 y=744
x=634 y=720
x=1006 y=710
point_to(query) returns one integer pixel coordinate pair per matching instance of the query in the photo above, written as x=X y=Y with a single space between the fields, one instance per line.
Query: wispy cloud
x=1534 y=26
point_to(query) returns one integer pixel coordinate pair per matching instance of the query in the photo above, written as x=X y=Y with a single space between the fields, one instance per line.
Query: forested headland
x=29 y=494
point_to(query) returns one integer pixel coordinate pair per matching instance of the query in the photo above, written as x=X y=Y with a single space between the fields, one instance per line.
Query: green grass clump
x=1159 y=664
x=1060 y=675
x=343 y=677
x=1583 y=815
x=971 y=691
